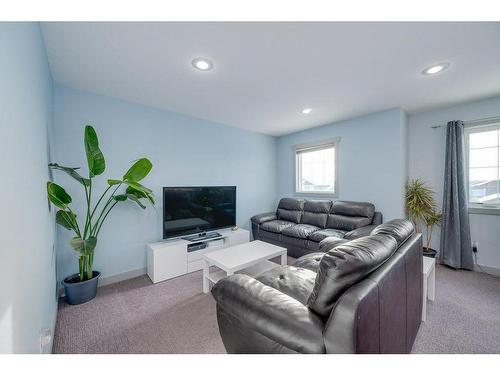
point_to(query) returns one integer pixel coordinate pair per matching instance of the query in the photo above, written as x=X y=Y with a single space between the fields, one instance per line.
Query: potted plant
x=421 y=210
x=82 y=287
x=431 y=220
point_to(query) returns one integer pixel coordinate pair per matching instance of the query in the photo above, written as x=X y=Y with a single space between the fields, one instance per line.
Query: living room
x=250 y=187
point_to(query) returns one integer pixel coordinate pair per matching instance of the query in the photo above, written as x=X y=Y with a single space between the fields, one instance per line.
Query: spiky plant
x=420 y=202
x=432 y=219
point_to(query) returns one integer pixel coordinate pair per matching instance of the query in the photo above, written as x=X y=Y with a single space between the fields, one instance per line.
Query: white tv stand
x=170 y=258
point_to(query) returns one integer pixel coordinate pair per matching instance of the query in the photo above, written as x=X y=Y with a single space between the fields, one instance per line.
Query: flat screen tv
x=197 y=209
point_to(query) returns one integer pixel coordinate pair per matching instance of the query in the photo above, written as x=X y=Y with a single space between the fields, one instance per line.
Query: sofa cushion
x=290 y=209
x=348 y=216
x=316 y=212
x=399 y=229
x=320 y=235
x=276 y=226
x=299 y=231
x=345 y=265
x=309 y=261
x=296 y=282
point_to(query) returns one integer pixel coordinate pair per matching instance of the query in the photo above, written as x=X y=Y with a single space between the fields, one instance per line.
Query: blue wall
x=27 y=279
x=184 y=151
x=427 y=156
x=372 y=159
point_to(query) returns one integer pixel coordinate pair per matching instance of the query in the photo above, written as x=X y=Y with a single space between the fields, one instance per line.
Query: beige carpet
x=136 y=316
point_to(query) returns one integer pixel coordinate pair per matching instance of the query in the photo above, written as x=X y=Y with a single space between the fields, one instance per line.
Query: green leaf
x=114 y=182
x=58 y=195
x=72 y=172
x=134 y=198
x=139 y=170
x=140 y=194
x=84 y=247
x=137 y=186
x=120 y=197
x=65 y=219
x=95 y=158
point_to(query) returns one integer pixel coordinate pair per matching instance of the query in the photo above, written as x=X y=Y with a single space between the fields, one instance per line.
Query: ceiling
x=265 y=73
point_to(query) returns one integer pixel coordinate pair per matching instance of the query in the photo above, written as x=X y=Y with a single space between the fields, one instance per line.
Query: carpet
x=174 y=316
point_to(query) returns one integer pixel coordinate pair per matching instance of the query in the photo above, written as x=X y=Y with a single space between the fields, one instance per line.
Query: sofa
x=305 y=226
x=360 y=296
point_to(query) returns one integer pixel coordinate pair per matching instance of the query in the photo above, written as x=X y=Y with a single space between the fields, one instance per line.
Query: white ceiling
x=265 y=73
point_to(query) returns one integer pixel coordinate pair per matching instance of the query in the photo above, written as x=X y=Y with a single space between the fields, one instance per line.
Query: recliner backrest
x=316 y=212
x=345 y=265
x=399 y=229
x=346 y=215
x=290 y=209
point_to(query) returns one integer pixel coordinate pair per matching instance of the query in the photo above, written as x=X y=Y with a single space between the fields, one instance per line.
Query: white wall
x=426 y=161
x=27 y=278
x=372 y=159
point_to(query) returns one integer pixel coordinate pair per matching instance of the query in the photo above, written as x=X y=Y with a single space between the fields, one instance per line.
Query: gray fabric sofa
x=305 y=226
x=361 y=296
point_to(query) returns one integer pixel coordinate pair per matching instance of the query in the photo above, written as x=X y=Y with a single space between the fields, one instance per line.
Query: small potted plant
x=82 y=287
x=432 y=219
x=421 y=210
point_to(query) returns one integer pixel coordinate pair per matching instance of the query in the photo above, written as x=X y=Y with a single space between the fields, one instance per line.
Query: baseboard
x=108 y=280
x=103 y=281
x=486 y=269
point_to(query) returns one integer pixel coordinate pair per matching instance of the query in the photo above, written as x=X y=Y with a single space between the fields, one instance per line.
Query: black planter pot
x=77 y=291
x=429 y=252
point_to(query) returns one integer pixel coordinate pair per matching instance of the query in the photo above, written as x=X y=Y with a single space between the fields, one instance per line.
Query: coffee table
x=251 y=258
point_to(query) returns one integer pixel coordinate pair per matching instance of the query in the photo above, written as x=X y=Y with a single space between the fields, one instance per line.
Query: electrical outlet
x=45 y=338
x=475 y=246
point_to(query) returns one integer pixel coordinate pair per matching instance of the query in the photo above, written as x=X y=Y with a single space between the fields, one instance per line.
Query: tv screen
x=190 y=210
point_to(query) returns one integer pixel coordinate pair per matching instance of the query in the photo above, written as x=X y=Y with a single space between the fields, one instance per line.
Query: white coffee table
x=429 y=281
x=251 y=258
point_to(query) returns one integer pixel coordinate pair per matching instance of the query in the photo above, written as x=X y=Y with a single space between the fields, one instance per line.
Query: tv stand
x=202 y=236
x=171 y=258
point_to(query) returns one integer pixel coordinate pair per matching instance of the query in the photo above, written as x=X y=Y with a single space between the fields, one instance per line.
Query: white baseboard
x=486 y=269
x=108 y=280
x=121 y=277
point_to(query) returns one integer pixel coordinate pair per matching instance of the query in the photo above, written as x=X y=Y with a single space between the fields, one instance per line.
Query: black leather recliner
x=305 y=226
x=361 y=296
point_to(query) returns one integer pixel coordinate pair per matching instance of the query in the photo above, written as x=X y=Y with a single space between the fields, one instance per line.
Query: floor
x=135 y=316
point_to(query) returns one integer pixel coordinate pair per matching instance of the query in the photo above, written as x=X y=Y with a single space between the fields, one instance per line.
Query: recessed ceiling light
x=306 y=111
x=436 y=68
x=201 y=63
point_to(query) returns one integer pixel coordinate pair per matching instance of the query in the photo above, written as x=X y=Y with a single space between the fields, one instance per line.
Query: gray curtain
x=456 y=248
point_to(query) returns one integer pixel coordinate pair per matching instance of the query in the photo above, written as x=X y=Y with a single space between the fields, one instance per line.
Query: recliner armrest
x=329 y=243
x=262 y=218
x=273 y=314
x=360 y=232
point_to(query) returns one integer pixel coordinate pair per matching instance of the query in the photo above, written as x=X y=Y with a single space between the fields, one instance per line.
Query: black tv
x=197 y=209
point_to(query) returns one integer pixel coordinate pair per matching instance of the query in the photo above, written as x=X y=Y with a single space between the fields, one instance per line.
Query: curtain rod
x=473 y=122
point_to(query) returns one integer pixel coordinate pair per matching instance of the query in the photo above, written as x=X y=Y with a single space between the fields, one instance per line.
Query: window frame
x=479 y=208
x=333 y=142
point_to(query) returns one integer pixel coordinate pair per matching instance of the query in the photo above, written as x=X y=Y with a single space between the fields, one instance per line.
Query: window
x=483 y=165
x=316 y=168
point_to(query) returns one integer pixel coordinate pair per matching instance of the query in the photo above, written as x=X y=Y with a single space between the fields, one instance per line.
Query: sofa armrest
x=262 y=218
x=273 y=314
x=360 y=232
x=330 y=242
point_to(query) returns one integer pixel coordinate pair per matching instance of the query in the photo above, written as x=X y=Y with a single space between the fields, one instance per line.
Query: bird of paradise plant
x=86 y=234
